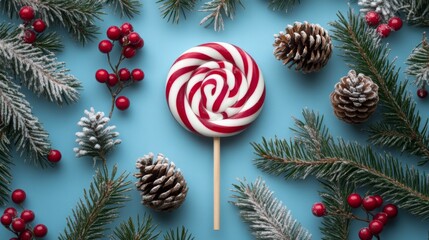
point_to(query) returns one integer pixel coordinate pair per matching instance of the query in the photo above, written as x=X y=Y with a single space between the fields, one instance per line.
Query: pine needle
x=179 y=234
x=50 y=42
x=5 y=171
x=282 y=5
x=402 y=126
x=173 y=9
x=345 y=161
x=217 y=10
x=99 y=206
x=128 y=8
x=142 y=230
x=267 y=217
x=418 y=63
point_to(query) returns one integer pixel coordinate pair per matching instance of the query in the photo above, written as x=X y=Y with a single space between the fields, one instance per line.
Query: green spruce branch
x=49 y=42
x=99 y=207
x=416 y=11
x=418 y=63
x=402 y=125
x=282 y=5
x=218 y=9
x=178 y=234
x=174 y=9
x=128 y=8
x=5 y=163
x=267 y=217
x=334 y=196
x=142 y=230
x=343 y=161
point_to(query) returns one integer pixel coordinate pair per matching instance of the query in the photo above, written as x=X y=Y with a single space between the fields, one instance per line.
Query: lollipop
x=215 y=90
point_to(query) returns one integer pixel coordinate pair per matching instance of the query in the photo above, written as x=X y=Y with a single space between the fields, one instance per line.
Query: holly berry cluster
x=31 y=25
x=384 y=29
x=129 y=42
x=376 y=220
x=19 y=224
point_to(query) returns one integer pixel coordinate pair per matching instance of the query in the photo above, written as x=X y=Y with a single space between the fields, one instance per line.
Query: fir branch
x=182 y=234
x=97 y=139
x=49 y=42
x=173 y=9
x=401 y=123
x=343 y=161
x=417 y=12
x=99 y=207
x=130 y=8
x=5 y=171
x=143 y=230
x=217 y=9
x=283 y=5
x=336 y=226
x=386 y=8
x=418 y=63
x=77 y=16
x=39 y=70
x=267 y=216
x=20 y=125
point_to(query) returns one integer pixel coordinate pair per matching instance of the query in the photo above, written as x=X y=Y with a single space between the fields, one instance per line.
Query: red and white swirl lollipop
x=215 y=90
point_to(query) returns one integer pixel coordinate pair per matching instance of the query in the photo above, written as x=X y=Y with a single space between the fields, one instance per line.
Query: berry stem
x=349 y=216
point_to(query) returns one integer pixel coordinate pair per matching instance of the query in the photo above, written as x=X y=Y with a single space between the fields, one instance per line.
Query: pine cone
x=163 y=187
x=306 y=45
x=355 y=98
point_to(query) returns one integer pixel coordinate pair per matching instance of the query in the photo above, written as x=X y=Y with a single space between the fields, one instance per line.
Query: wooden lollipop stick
x=216 y=183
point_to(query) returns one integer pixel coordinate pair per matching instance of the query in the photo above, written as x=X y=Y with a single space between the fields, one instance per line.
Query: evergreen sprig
x=99 y=206
x=49 y=42
x=20 y=125
x=5 y=171
x=344 y=161
x=217 y=9
x=267 y=217
x=416 y=11
x=418 y=63
x=128 y=8
x=179 y=234
x=282 y=5
x=142 y=230
x=334 y=196
x=39 y=70
x=77 y=16
x=402 y=125
x=173 y=9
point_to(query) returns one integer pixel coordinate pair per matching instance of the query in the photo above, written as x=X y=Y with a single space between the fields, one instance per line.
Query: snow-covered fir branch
x=386 y=8
x=96 y=139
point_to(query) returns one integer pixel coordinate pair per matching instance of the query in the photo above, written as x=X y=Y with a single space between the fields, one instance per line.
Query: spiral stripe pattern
x=215 y=90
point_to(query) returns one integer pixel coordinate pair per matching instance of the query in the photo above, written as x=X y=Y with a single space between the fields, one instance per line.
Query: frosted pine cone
x=355 y=98
x=306 y=45
x=386 y=8
x=163 y=186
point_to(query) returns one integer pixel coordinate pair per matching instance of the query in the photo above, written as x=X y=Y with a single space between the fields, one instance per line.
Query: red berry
x=139 y=44
x=11 y=211
x=365 y=234
x=105 y=46
x=39 y=25
x=122 y=103
x=395 y=23
x=354 y=200
x=27 y=216
x=137 y=74
x=18 y=196
x=18 y=225
x=382 y=217
x=134 y=38
x=124 y=41
x=372 y=18
x=379 y=200
x=369 y=203
x=113 y=80
x=124 y=74
x=6 y=219
x=126 y=28
x=14 y=239
x=40 y=230
x=129 y=51
x=26 y=13
x=383 y=30
x=422 y=93
x=102 y=75
x=114 y=33
x=54 y=156
x=376 y=227
x=26 y=235
x=318 y=209
x=391 y=210
x=29 y=36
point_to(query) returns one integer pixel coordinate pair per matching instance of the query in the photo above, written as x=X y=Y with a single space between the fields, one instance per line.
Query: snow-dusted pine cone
x=386 y=8
x=306 y=45
x=355 y=98
x=163 y=186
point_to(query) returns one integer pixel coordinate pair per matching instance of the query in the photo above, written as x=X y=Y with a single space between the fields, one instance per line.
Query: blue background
x=148 y=126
